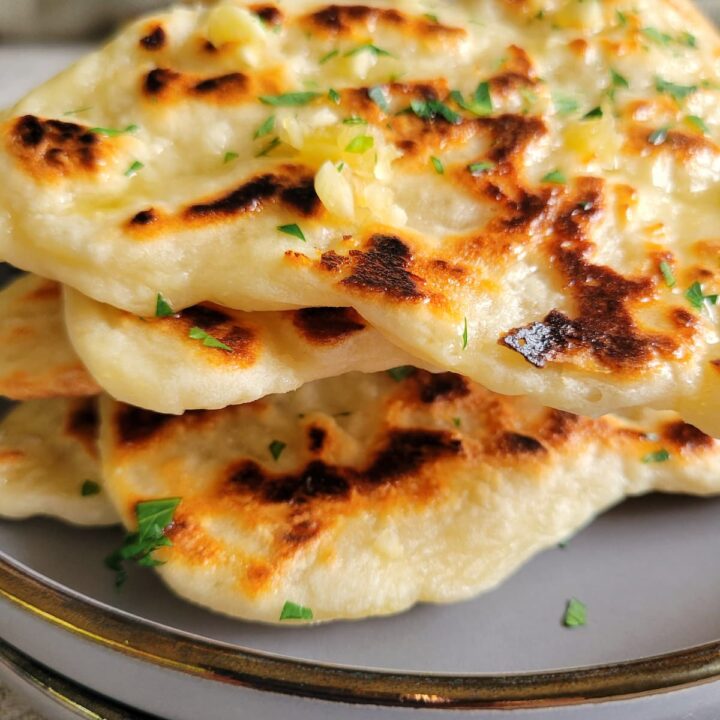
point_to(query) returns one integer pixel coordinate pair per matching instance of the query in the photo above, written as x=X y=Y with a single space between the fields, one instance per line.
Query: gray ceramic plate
x=648 y=572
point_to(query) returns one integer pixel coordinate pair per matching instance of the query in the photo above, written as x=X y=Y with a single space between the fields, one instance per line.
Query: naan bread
x=154 y=363
x=48 y=450
x=36 y=359
x=385 y=493
x=534 y=253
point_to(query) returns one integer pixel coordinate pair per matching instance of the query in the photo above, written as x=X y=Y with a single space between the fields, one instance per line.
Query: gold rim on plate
x=221 y=662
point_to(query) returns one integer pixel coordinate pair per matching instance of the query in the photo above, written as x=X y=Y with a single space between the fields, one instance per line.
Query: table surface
x=36 y=63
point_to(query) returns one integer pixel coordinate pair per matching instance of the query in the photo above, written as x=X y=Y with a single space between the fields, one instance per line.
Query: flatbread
x=154 y=363
x=36 y=359
x=48 y=452
x=539 y=271
x=362 y=495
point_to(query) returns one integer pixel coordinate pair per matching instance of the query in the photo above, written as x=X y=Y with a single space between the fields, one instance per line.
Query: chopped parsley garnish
x=267 y=149
x=430 y=109
x=293 y=611
x=618 y=80
x=661 y=455
x=555 y=176
x=292 y=229
x=479 y=168
x=208 y=340
x=667 y=273
x=432 y=18
x=687 y=39
x=368 y=47
x=265 y=129
x=360 y=144
x=398 y=374
x=162 y=307
x=328 y=56
x=230 y=155
x=77 y=111
x=114 y=132
x=659 y=136
x=437 y=164
x=377 y=95
x=660 y=38
x=340 y=166
x=89 y=487
x=699 y=123
x=596 y=112
x=677 y=92
x=564 y=104
x=291 y=99
x=696 y=297
x=354 y=120
x=457 y=422
x=135 y=167
x=480 y=102
x=334 y=95
x=621 y=18
x=575 y=614
x=465 y=335
x=276 y=448
x=154 y=517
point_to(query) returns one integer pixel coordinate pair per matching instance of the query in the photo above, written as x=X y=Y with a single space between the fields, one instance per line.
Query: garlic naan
x=49 y=463
x=36 y=359
x=362 y=495
x=154 y=363
x=522 y=192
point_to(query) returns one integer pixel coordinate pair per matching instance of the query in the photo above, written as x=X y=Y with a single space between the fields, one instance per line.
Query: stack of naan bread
x=392 y=296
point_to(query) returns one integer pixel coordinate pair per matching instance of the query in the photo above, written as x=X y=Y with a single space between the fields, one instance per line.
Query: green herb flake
x=153 y=517
x=575 y=614
x=162 y=307
x=658 y=456
x=291 y=99
x=564 y=104
x=480 y=102
x=90 y=487
x=621 y=18
x=135 y=167
x=696 y=297
x=699 y=123
x=465 y=335
x=328 y=56
x=479 y=168
x=360 y=144
x=659 y=136
x=377 y=95
x=677 y=92
x=687 y=39
x=265 y=129
x=431 y=109
x=340 y=166
x=77 y=111
x=293 y=611
x=618 y=80
x=398 y=374
x=276 y=448
x=368 y=47
x=432 y=18
x=555 y=176
x=354 y=120
x=437 y=164
x=292 y=229
x=267 y=149
x=659 y=38
x=596 y=112
x=457 y=422
x=197 y=333
x=667 y=273
x=114 y=132
x=230 y=155
x=334 y=95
